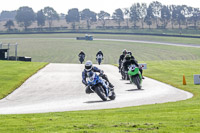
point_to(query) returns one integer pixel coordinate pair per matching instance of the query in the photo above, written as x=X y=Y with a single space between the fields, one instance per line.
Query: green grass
x=55 y=48
x=13 y=74
x=173 y=117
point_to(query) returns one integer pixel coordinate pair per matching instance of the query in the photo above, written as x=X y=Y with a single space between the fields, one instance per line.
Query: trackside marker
x=184 y=81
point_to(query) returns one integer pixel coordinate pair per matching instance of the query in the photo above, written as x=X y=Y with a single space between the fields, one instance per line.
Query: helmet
x=130 y=53
x=99 y=50
x=88 y=65
x=124 y=52
x=128 y=57
x=81 y=50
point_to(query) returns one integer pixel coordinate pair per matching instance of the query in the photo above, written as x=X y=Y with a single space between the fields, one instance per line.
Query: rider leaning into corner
x=88 y=68
x=81 y=54
x=130 y=60
x=99 y=53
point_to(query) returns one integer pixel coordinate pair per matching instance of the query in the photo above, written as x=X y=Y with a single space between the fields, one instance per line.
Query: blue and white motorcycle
x=100 y=86
x=99 y=58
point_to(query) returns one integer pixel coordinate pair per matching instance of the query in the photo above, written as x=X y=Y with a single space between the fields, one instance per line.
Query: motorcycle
x=99 y=58
x=81 y=58
x=135 y=76
x=124 y=73
x=100 y=86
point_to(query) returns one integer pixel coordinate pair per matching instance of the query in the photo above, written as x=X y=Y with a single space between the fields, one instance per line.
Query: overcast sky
x=62 y=6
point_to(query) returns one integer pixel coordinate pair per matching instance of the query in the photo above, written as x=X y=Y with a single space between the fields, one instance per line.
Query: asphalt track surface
x=58 y=87
x=153 y=42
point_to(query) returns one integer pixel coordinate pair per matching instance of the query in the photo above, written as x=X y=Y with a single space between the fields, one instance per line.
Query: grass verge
x=173 y=117
x=13 y=74
x=61 y=50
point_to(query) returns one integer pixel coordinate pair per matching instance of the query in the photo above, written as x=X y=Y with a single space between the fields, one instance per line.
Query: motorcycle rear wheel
x=112 y=97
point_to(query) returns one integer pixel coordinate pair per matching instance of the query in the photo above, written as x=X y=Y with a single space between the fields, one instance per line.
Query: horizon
x=95 y=6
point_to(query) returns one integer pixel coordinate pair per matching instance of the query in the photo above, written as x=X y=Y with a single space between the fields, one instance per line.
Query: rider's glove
x=101 y=72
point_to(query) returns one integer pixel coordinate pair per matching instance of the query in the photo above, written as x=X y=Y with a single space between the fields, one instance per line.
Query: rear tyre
x=101 y=93
x=112 y=97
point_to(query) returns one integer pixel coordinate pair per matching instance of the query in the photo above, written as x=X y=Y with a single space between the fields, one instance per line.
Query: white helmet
x=88 y=65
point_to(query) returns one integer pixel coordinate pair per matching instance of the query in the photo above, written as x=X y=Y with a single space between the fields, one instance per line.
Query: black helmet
x=88 y=65
x=129 y=52
x=128 y=57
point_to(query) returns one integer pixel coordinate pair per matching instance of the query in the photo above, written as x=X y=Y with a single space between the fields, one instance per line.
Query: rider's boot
x=142 y=77
x=111 y=86
x=88 y=90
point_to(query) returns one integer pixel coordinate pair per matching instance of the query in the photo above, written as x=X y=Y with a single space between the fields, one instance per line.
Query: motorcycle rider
x=81 y=54
x=99 y=53
x=129 y=61
x=121 y=58
x=88 y=68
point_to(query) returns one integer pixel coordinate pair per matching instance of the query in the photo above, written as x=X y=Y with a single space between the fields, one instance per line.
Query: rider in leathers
x=121 y=58
x=81 y=53
x=129 y=60
x=99 y=53
x=89 y=68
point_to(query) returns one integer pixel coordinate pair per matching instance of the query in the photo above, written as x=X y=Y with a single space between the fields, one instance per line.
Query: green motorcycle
x=135 y=76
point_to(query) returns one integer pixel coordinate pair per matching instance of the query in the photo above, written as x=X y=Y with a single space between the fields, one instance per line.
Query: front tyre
x=101 y=93
x=99 y=61
x=137 y=81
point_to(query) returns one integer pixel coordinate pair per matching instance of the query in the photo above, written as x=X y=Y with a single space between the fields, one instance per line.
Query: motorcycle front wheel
x=101 y=93
x=136 y=80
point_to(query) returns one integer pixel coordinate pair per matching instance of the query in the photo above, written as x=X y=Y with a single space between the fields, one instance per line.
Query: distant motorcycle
x=135 y=76
x=100 y=86
x=99 y=58
x=124 y=74
x=81 y=58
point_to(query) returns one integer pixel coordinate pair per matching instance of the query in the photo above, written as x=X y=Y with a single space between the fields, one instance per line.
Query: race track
x=58 y=87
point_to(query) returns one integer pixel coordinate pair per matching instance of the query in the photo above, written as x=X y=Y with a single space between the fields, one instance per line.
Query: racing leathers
x=99 y=53
x=94 y=69
x=127 y=63
x=81 y=54
x=121 y=58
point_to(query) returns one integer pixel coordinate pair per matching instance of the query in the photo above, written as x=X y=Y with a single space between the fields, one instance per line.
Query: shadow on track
x=97 y=101
x=135 y=90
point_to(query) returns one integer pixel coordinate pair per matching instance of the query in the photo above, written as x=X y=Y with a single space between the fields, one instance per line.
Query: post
x=16 y=51
x=8 y=51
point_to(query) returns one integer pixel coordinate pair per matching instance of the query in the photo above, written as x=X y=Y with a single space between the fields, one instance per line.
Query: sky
x=62 y=6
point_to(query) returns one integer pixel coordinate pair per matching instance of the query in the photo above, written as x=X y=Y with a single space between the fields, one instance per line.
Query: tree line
x=155 y=12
